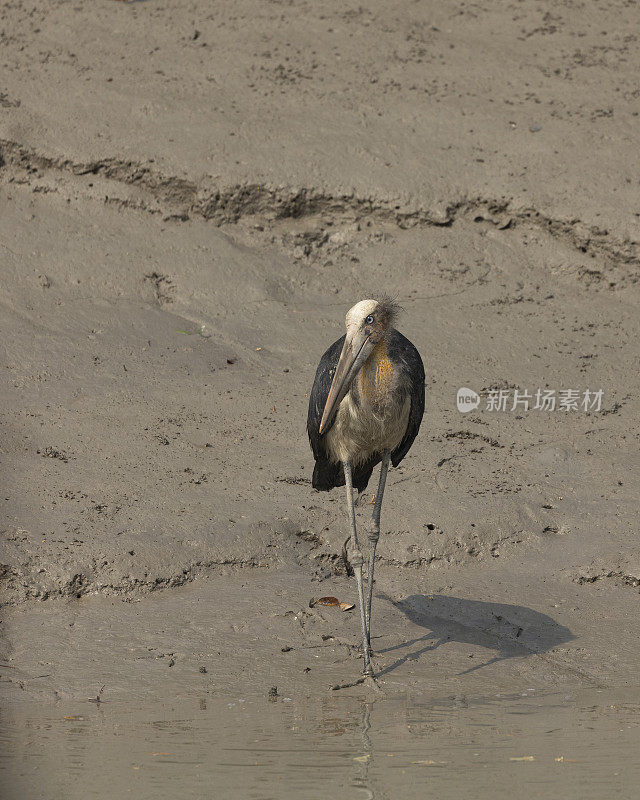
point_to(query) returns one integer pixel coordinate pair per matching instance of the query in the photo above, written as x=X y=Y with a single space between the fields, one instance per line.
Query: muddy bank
x=180 y=238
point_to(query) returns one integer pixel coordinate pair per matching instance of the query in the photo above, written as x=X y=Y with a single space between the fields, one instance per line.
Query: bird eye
x=369 y=320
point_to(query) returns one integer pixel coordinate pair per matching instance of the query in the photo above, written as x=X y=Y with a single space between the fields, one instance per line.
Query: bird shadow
x=508 y=629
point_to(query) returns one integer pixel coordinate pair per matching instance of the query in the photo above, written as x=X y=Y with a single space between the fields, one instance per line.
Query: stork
x=366 y=406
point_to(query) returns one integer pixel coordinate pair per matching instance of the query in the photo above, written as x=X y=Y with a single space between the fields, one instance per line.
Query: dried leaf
x=347 y=606
x=523 y=758
x=327 y=601
x=362 y=759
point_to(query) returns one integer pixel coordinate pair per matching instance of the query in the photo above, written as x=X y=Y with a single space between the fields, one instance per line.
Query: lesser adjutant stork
x=366 y=407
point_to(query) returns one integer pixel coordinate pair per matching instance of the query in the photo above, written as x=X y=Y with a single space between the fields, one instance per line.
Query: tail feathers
x=328 y=475
x=362 y=473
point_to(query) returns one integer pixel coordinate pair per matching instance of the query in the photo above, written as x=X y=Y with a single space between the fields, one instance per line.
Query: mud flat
x=181 y=233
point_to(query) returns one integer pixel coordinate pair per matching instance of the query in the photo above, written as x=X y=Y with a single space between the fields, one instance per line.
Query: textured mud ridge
x=180 y=198
x=623 y=576
x=21 y=584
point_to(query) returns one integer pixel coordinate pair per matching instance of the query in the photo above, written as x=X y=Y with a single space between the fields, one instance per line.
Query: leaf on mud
x=327 y=601
x=347 y=606
x=523 y=758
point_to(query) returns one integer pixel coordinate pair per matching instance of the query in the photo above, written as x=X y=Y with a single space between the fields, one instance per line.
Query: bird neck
x=376 y=374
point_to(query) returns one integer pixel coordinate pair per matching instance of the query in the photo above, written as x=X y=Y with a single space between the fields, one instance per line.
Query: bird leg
x=356 y=559
x=373 y=534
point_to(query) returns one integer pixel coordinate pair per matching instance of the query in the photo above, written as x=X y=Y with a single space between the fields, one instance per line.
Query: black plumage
x=328 y=474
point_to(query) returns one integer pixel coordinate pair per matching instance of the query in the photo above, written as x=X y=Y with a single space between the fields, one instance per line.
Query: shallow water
x=581 y=744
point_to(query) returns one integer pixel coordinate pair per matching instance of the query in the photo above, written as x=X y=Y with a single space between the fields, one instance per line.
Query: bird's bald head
x=367 y=324
x=374 y=317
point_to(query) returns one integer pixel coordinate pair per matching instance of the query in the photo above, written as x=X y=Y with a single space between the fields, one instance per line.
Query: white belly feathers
x=358 y=431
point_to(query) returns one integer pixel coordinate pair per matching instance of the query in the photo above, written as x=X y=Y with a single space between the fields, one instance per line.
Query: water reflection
x=579 y=744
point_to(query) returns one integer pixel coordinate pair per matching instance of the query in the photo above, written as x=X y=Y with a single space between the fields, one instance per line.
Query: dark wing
x=319 y=393
x=403 y=351
x=326 y=474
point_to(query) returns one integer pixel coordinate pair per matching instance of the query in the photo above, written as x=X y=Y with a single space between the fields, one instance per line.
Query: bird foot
x=367 y=681
x=371 y=683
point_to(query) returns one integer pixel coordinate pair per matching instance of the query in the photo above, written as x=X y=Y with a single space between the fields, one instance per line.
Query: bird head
x=368 y=322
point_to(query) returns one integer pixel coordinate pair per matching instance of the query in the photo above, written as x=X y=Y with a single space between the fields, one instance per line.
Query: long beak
x=355 y=351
